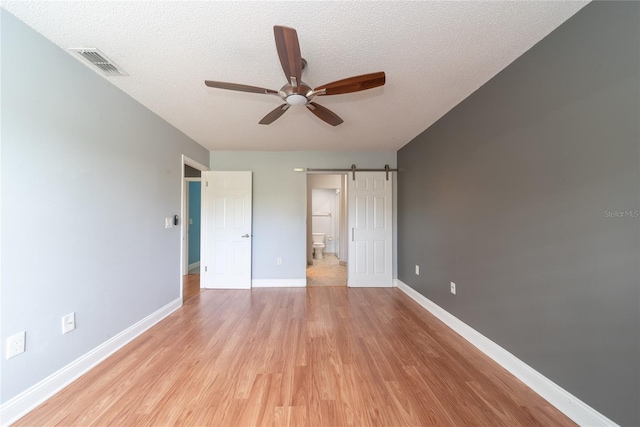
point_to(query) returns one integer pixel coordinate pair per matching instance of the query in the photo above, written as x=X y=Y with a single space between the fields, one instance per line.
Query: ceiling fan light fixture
x=297 y=92
x=296 y=99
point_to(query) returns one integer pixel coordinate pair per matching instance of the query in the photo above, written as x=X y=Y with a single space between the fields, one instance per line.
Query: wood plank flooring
x=325 y=356
x=190 y=286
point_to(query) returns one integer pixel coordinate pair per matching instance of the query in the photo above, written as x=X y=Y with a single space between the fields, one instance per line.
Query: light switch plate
x=68 y=323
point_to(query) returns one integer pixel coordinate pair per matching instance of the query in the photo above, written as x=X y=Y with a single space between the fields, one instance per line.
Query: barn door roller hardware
x=353 y=170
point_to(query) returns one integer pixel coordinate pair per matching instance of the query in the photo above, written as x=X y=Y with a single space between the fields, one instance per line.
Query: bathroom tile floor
x=326 y=272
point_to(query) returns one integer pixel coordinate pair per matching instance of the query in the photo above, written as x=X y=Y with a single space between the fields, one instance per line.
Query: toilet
x=318 y=244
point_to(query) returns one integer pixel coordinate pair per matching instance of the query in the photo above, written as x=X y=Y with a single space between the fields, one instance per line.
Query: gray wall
x=512 y=195
x=280 y=201
x=88 y=176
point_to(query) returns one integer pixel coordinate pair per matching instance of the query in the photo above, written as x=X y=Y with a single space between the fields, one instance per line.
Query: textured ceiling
x=434 y=54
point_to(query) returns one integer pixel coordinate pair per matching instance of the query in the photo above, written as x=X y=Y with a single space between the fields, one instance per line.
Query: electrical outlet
x=68 y=323
x=417 y=270
x=278 y=261
x=15 y=344
x=453 y=288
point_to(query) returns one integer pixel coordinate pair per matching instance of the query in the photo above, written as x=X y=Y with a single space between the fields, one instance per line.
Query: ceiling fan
x=296 y=92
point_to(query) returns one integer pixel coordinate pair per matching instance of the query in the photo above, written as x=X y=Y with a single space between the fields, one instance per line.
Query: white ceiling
x=434 y=55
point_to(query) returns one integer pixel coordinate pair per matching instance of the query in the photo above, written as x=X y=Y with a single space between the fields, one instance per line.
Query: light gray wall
x=88 y=176
x=513 y=194
x=280 y=201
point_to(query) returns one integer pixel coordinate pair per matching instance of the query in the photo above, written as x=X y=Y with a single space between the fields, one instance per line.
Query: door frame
x=183 y=212
x=343 y=225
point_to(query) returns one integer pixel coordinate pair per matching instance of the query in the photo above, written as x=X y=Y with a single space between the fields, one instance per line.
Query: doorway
x=326 y=226
x=190 y=240
x=193 y=225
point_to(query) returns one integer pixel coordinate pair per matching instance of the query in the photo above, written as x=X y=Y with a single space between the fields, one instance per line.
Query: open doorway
x=193 y=225
x=326 y=228
x=191 y=228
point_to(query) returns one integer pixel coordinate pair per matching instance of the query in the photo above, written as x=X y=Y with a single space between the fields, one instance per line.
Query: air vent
x=100 y=61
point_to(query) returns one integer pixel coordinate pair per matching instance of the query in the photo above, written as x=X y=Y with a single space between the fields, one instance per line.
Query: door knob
x=246 y=235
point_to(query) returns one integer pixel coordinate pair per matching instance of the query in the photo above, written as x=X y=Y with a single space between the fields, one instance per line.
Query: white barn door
x=370 y=258
x=226 y=223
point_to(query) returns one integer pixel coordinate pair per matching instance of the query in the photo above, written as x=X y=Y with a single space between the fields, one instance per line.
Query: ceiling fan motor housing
x=296 y=95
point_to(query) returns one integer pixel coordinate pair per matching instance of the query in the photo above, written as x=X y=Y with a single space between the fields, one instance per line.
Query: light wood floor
x=190 y=286
x=325 y=356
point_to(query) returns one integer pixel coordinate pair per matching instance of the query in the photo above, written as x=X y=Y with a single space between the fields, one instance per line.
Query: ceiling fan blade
x=289 y=52
x=273 y=115
x=324 y=114
x=352 y=84
x=239 y=87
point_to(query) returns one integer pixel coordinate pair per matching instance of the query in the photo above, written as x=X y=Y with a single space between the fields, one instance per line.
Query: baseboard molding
x=194 y=265
x=20 y=405
x=369 y=285
x=279 y=283
x=568 y=404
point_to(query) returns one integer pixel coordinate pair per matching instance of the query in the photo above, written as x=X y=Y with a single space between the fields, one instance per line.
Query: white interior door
x=226 y=263
x=370 y=261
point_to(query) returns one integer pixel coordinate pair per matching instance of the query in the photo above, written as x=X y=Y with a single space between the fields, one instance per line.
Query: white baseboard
x=279 y=283
x=370 y=285
x=565 y=402
x=194 y=265
x=20 y=405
